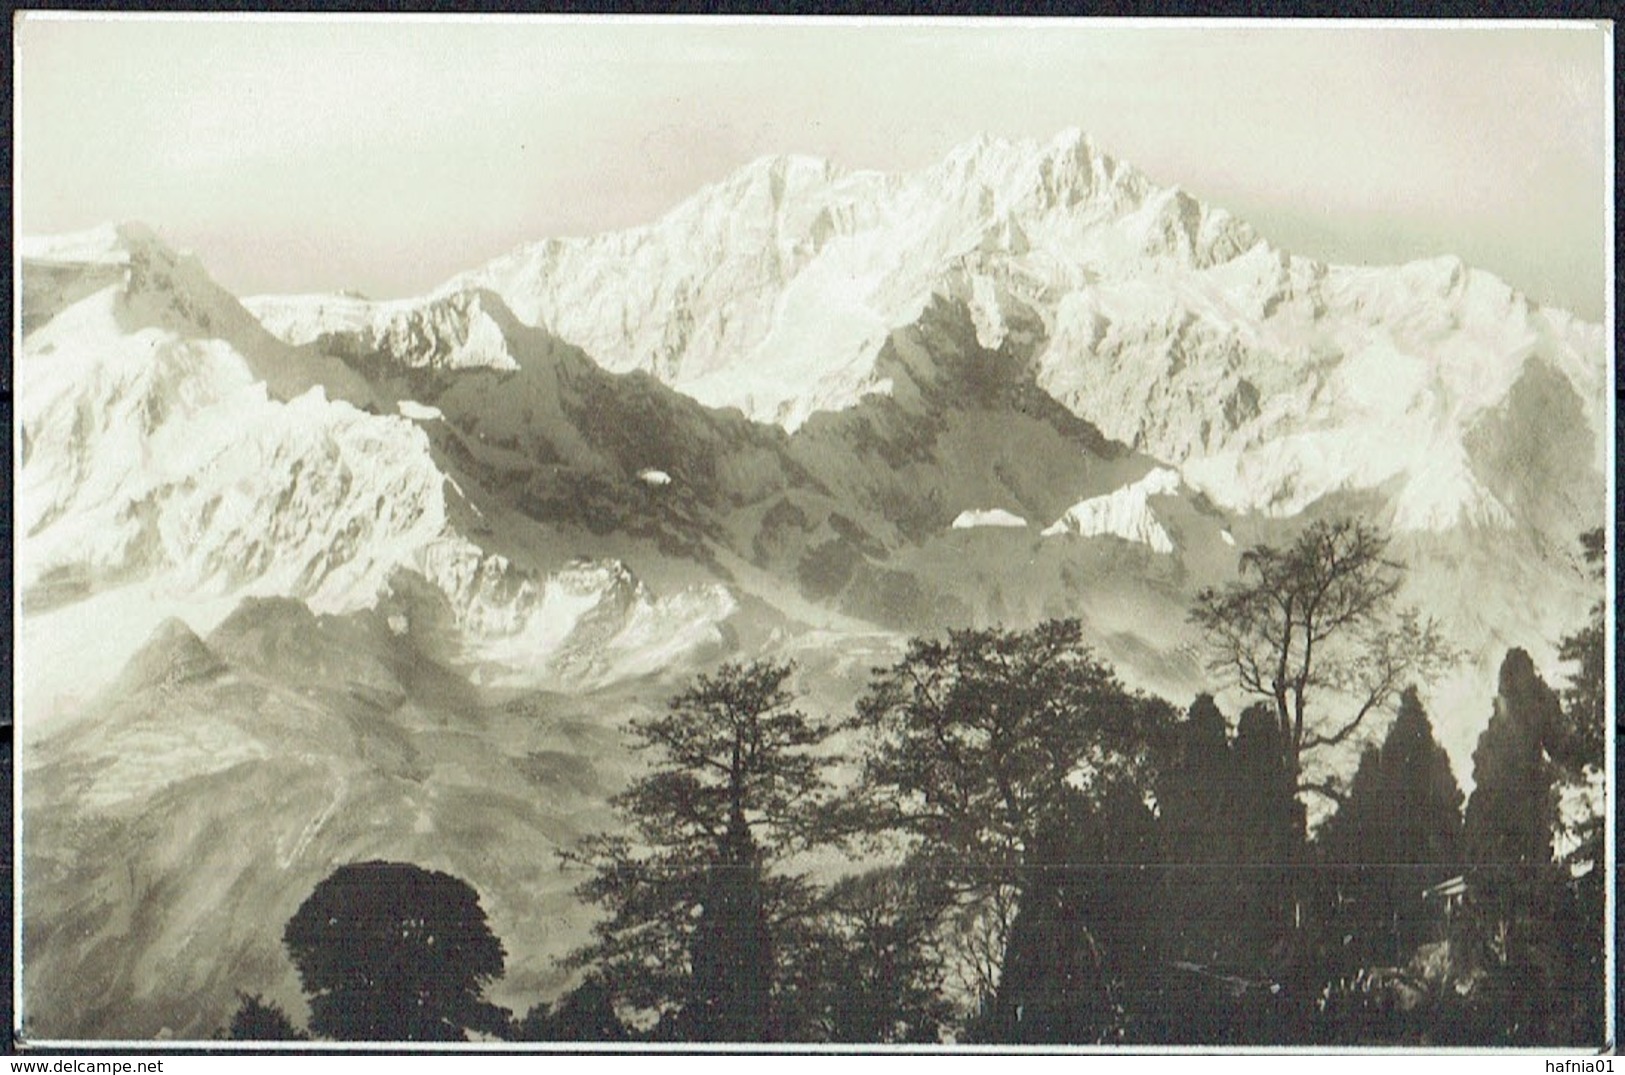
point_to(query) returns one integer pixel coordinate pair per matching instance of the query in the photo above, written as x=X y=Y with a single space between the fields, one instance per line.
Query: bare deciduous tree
x=1320 y=619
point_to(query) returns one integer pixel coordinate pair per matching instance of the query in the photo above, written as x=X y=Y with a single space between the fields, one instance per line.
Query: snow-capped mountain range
x=178 y=440
x=176 y=458
x=1268 y=380
x=806 y=413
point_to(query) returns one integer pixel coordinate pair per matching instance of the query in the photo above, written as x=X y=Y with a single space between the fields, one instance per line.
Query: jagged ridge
x=1270 y=381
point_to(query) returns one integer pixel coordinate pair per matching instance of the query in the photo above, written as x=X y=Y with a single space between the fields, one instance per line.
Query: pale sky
x=385 y=156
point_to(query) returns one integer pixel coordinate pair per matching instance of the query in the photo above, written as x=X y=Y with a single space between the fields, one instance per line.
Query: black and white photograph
x=694 y=533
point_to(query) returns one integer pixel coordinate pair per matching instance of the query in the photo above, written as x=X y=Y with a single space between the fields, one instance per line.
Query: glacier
x=1123 y=513
x=971 y=518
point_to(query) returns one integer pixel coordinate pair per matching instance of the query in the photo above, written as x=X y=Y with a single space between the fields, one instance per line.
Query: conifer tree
x=1580 y=751
x=1083 y=947
x=1538 y=938
x=695 y=903
x=1200 y=840
x=1265 y=812
x=1585 y=698
x=1397 y=833
x=1510 y=817
x=258 y=1019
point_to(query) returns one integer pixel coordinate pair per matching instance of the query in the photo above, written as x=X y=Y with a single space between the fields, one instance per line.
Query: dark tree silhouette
x=1201 y=844
x=879 y=975
x=389 y=951
x=1267 y=819
x=1585 y=698
x=1580 y=750
x=730 y=990
x=1083 y=946
x=1398 y=833
x=694 y=905
x=1319 y=620
x=257 y=1019
x=1579 y=744
x=976 y=740
x=1511 y=814
x=585 y=1013
x=1227 y=816
x=1536 y=938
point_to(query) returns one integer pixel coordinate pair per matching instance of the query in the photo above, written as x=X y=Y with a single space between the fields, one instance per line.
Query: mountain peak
x=134 y=233
x=1072 y=140
x=1074 y=147
x=172 y=654
x=768 y=183
x=1169 y=324
x=786 y=164
x=1071 y=144
x=156 y=284
x=461 y=326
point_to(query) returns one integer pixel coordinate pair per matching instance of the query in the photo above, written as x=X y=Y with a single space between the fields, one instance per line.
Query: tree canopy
x=389 y=951
x=1398 y=833
x=694 y=906
x=1585 y=697
x=1201 y=834
x=585 y=1013
x=978 y=742
x=1319 y=620
x=877 y=974
x=258 y=1019
x=1083 y=945
x=975 y=739
x=1538 y=929
x=1511 y=814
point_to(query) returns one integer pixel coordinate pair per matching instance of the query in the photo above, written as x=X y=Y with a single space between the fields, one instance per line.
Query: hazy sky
x=388 y=155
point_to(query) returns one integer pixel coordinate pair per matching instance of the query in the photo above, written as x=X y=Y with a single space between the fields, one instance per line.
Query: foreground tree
x=1227 y=815
x=1196 y=801
x=1580 y=752
x=1512 y=813
x=979 y=742
x=1585 y=698
x=585 y=1013
x=1319 y=621
x=695 y=909
x=388 y=951
x=1267 y=818
x=257 y=1019
x=1537 y=939
x=1398 y=833
x=1083 y=946
x=1579 y=745
x=878 y=974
